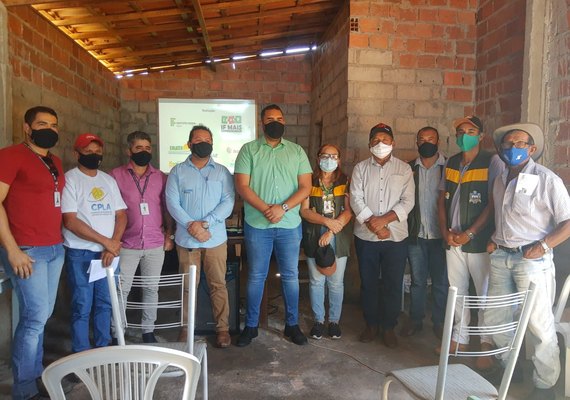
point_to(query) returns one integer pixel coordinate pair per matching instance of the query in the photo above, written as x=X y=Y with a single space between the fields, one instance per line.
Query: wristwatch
x=171 y=237
x=285 y=207
x=544 y=246
x=205 y=225
x=470 y=234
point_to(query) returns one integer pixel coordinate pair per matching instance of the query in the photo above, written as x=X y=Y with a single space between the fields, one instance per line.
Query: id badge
x=57 y=199
x=328 y=207
x=144 y=209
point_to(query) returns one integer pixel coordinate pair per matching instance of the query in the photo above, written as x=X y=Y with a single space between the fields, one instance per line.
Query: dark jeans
x=381 y=303
x=427 y=258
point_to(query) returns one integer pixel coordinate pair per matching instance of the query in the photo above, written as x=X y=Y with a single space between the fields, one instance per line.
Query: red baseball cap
x=84 y=139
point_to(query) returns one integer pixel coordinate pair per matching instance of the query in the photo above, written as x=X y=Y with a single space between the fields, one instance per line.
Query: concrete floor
x=274 y=368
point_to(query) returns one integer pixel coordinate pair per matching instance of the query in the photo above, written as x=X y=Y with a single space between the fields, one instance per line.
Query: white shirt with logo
x=95 y=199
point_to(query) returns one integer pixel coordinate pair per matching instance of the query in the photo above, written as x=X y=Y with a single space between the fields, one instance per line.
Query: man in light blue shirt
x=200 y=196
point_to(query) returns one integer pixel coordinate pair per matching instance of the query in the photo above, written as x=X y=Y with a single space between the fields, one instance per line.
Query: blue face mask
x=328 y=165
x=514 y=156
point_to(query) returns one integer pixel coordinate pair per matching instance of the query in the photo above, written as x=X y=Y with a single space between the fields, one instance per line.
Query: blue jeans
x=36 y=297
x=335 y=285
x=511 y=273
x=427 y=258
x=86 y=297
x=260 y=243
x=381 y=301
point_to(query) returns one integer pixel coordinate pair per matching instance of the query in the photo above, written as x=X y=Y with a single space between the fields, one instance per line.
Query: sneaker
x=334 y=330
x=317 y=330
x=246 y=336
x=149 y=337
x=411 y=328
x=294 y=333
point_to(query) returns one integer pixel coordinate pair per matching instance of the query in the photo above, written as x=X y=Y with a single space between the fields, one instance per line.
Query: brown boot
x=390 y=339
x=485 y=363
x=369 y=334
x=183 y=335
x=223 y=339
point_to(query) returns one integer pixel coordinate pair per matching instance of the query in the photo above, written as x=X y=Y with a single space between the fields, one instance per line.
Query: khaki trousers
x=214 y=263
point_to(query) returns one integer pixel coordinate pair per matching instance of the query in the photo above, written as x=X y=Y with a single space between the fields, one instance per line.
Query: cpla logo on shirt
x=96 y=194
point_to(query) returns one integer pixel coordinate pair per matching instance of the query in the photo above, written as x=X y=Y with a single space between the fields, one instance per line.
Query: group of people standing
x=489 y=218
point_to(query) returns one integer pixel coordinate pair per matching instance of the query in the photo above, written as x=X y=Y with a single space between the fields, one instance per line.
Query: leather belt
x=514 y=250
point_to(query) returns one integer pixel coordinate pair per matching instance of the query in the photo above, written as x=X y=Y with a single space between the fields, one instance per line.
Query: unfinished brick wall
x=500 y=56
x=50 y=69
x=411 y=64
x=285 y=81
x=557 y=154
x=329 y=89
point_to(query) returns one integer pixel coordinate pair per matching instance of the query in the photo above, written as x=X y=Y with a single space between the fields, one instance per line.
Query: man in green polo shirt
x=273 y=176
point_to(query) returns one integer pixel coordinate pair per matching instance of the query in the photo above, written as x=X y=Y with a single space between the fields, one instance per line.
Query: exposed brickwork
x=500 y=53
x=50 y=69
x=411 y=64
x=285 y=81
x=330 y=94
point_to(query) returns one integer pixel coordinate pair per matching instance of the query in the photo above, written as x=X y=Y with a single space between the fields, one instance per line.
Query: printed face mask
x=466 y=142
x=328 y=165
x=427 y=150
x=202 y=149
x=274 y=129
x=90 y=161
x=44 y=138
x=381 y=150
x=141 y=158
x=514 y=156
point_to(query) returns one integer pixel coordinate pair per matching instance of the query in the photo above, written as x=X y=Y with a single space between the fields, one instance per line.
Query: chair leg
x=385 y=387
x=205 y=375
x=567 y=371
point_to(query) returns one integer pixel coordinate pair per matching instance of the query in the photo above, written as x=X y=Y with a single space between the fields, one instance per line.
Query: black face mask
x=141 y=158
x=90 y=161
x=427 y=149
x=274 y=129
x=44 y=138
x=202 y=149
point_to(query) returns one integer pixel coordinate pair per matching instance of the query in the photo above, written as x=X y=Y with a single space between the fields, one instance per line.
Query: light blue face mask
x=328 y=165
x=514 y=156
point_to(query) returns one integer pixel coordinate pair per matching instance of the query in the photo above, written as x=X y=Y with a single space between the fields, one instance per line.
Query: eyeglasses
x=325 y=156
x=470 y=132
x=509 y=145
x=52 y=169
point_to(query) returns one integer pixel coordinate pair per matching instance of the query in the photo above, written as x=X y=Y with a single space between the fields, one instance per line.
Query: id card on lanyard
x=50 y=165
x=143 y=205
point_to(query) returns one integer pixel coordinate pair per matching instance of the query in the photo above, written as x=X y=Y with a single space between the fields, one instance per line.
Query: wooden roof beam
x=119 y=17
x=204 y=30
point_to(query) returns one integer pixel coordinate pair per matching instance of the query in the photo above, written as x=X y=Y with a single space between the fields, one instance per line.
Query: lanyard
x=137 y=182
x=52 y=169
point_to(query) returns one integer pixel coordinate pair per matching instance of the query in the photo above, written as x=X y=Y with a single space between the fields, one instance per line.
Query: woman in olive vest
x=326 y=215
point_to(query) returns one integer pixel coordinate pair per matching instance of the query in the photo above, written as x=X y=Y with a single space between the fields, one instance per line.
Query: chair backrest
x=122 y=372
x=184 y=302
x=515 y=329
x=562 y=300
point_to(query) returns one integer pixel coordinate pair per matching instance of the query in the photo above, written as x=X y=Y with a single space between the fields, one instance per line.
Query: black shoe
x=411 y=328
x=334 y=330
x=542 y=394
x=149 y=337
x=38 y=396
x=495 y=374
x=317 y=330
x=294 y=332
x=114 y=341
x=246 y=336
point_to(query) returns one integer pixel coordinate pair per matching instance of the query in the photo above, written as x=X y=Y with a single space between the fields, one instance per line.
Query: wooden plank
x=122 y=32
x=120 y=17
x=204 y=31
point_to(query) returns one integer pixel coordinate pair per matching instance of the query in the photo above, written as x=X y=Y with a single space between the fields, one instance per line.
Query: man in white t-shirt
x=94 y=219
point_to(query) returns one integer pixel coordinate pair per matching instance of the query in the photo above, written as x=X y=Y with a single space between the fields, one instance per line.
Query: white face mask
x=381 y=150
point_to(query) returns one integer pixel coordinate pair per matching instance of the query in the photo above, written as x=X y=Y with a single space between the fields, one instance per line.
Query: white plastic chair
x=185 y=303
x=122 y=372
x=457 y=380
x=563 y=327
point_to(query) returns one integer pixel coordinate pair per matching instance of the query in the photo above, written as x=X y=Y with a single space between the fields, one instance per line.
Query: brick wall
x=557 y=154
x=50 y=69
x=329 y=89
x=285 y=81
x=500 y=54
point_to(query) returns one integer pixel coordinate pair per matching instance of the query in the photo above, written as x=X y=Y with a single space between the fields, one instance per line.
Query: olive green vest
x=474 y=192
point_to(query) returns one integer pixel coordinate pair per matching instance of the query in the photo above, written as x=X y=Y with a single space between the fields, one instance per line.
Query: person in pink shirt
x=150 y=230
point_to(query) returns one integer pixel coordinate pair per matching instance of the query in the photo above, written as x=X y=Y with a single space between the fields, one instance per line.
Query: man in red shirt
x=31 y=251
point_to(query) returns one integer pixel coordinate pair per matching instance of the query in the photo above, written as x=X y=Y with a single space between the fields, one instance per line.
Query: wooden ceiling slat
x=128 y=31
x=138 y=53
x=119 y=17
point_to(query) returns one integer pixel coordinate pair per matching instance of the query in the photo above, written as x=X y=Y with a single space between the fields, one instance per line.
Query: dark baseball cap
x=381 y=127
x=471 y=120
x=325 y=257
